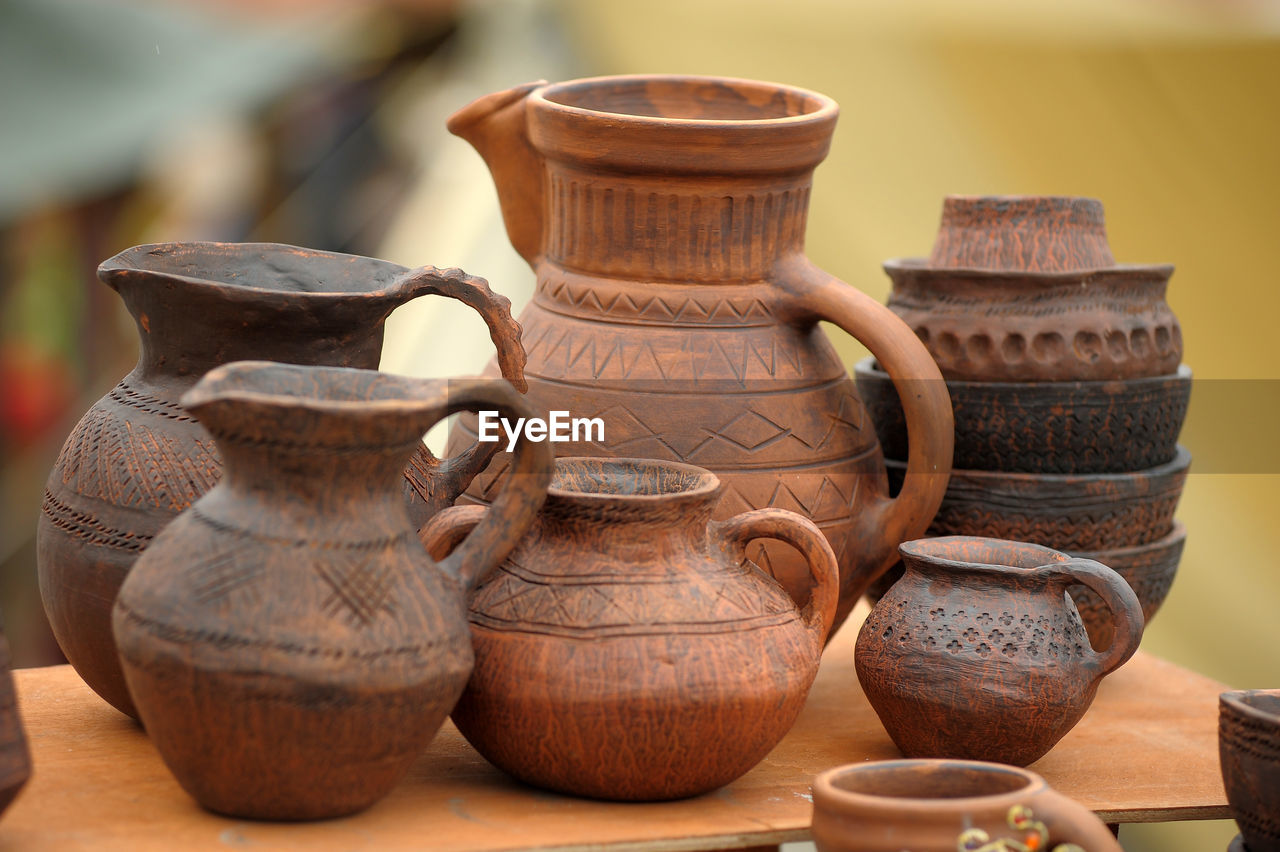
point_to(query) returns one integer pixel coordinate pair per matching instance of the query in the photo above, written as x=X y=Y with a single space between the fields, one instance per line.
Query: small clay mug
x=948 y=805
x=1249 y=750
x=978 y=652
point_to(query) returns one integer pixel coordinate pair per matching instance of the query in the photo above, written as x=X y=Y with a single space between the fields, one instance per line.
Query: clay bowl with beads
x=1045 y=427
x=1025 y=288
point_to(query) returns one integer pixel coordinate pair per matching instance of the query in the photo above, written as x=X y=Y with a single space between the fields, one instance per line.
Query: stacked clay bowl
x=1064 y=371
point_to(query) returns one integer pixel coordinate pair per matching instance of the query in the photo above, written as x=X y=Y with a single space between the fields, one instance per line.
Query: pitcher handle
x=815 y=294
x=437 y=482
x=734 y=534
x=484 y=544
x=1120 y=601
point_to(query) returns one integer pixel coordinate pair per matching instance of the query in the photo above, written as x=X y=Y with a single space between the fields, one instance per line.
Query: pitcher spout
x=496 y=127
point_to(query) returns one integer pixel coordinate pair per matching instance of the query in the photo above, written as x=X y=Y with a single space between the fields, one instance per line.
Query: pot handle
x=435 y=482
x=1120 y=601
x=485 y=543
x=801 y=533
x=816 y=294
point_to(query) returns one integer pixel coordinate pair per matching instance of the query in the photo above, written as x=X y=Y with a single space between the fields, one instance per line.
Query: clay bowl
x=1148 y=568
x=1045 y=427
x=1249 y=750
x=1070 y=512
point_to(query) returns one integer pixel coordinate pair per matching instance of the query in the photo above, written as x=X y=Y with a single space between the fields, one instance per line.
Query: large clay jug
x=625 y=649
x=137 y=458
x=665 y=219
x=289 y=643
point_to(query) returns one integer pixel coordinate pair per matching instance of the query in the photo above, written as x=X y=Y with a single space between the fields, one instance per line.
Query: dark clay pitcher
x=137 y=458
x=289 y=643
x=665 y=218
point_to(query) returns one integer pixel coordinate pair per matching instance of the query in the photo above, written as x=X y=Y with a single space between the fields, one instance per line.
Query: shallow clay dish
x=1046 y=427
x=1072 y=512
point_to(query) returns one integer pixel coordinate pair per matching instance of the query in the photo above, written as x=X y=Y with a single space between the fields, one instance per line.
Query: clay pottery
x=1046 y=427
x=1071 y=512
x=1237 y=844
x=977 y=652
x=289 y=644
x=626 y=649
x=948 y=805
x=1024 y=288
x=1249 y=749
x=665 y=219
x=137 y=458
x=1149 y=569
x=15 y=757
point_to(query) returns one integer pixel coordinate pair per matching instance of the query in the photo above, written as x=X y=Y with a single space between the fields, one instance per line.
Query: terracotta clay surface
x=1072 y=512
x=1046 y=427
x=137 y=458
x=948 y=805
x=1024 y=288
x=289 y=644
x=665 y=218
x=625 y=649
x=100 y=777
x=15 y=757
x=1149 y=569
x=976 y=652
x=1249 y=749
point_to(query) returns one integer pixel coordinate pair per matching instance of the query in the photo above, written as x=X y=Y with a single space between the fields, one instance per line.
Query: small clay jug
x=289 y=644
x=665 y=219
x=1249 y=751
x=15 y=757
x=978 y=651
x=627 y=649
x=137 y=458
x=1025 y=289
x=949 y=805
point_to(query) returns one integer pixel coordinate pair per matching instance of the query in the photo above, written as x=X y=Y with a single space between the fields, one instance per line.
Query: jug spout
x=495 y=126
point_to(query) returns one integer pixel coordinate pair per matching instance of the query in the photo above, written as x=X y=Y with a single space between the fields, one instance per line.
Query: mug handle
x=1120 y=601
x=484 y=545
x=736 y=533
x=815 y=294
x=437 y=483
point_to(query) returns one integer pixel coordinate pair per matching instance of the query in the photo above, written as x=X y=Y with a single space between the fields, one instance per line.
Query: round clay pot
x=978 y=653
x=290 y=646
x=948 y=805
x=675 y=303
x=627 y=649
x=1045 y=427
x=1025 y=289
x=1149 y=569
x=1071 y=512
x=1249 y=750
x=137 y=458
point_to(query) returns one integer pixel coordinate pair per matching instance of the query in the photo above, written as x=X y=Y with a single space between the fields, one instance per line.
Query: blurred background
x=322 y=124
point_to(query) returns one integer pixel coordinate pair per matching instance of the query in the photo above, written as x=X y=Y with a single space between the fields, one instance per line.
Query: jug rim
x=827 y=789
x=1241 y=701
x=1024 y=555
x=702 y=483
x=126 y=264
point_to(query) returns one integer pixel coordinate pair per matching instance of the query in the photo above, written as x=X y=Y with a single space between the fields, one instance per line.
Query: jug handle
x=816 y=294
x=798 y=531
x=1120 y=601
x=439 y=482
x=493 y=534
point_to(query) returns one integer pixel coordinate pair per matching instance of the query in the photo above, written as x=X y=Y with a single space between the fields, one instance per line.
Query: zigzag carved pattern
x=698 y=309
x=126 y=463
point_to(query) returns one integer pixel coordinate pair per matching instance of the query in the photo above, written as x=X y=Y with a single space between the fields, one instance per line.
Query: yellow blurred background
x=1169 y=112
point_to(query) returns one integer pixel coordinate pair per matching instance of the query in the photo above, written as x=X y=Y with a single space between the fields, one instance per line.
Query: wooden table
x=1145 y=752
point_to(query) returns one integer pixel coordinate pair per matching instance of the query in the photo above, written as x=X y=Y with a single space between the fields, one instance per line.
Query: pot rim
x=824 y=787
x=1029 y=484
x=1158 y=273
x=919 y=549
x=1237 y=700
x=871 y=369
x=708 y=484
x=1174 y=538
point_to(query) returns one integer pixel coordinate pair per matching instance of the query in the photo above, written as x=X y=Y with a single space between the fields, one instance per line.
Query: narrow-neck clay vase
x=289 y=644
x=948 y=806
x=978 y=652
x=665 y=219
x=137 y=458
x=625 y=649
